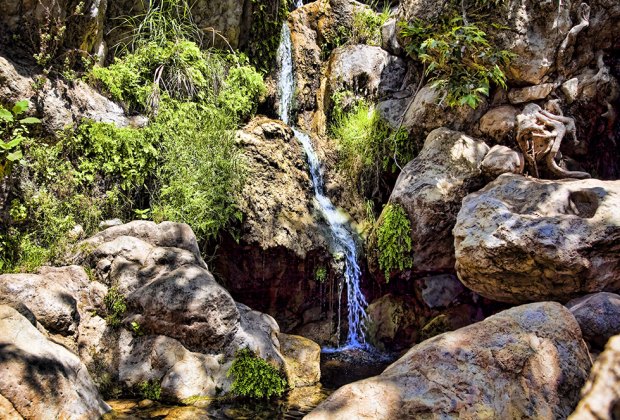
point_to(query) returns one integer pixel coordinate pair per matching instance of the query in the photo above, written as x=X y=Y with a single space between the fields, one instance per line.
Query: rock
x=434 y=183
x=523 y=239
x=40 y=379
x=393 y=322
x=110 y=223
x=389 y=39
x=600 y=397
x=302 y=359
x=426 y=113
x=282 y=239
x=186 y=304
x=528 y=362
x=570 y=88
x=499 y=123
x=367 y=71
x=51 y=295
x=502 y=160
x=530 y=94
x=451 y=319
x=440 y=291
x=598 y=316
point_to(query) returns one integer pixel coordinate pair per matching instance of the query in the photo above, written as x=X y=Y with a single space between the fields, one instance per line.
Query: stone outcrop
x=502 y=160
x=430 y=189
x=523 y=239
x=598 y=316
x=40 y=379
x=526 y=362
x=601 y=394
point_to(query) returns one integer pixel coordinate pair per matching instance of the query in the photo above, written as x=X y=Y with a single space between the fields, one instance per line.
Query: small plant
x=255 y=378
x=394 y=240
x=116 y=306
x=135 y=329
x=457 y=55
x=367 y=23
x=320 y=274
x=14 y=130
x=150 y=390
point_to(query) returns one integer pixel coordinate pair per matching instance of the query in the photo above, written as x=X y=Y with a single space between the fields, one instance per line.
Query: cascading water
x=344 y=242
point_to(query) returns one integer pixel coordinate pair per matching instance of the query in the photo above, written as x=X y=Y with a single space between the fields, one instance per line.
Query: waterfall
x=343 y=240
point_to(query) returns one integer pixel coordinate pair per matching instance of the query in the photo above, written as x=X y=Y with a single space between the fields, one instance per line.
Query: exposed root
x=567 y=48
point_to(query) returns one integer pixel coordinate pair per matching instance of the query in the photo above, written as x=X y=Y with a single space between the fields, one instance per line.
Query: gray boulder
x=40 y=379
x=430 y=189
x=523 y=239
x=526 y=362
x=598 y=316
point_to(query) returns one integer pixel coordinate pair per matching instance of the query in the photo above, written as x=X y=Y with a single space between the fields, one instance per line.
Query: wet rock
x=522 y=239
x=50 y=295
x=434 y=183
x=533 y=354
x=502 y=160
x=440 y=291
x=393 y=322
x=600 y=397
x=302 y=360
x=530 y=94
x=40 y=379
x=598 y=316
x=499 y=123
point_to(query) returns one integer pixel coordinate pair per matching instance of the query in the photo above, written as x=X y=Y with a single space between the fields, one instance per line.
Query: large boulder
x=526 y=362
x=49 y=295
x=430 y=189
x=601 y=395
x=40 y=379
x=598 y=316
x=523 y=239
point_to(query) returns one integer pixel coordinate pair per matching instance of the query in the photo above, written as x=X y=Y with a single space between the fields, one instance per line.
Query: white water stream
x=343 y=240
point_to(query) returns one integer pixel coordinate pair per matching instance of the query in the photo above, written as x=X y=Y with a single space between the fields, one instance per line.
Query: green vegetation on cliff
x=394 y=244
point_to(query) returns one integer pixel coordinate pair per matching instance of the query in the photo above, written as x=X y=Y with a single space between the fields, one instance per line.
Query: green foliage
x=367 y=147
x=320 y=274
x=458 y=57
x=14 y=129
x=178 y=68
x=334 y=38
x=201 y=172
x=394 y=240
x=366 y=28
x=162 y=23
x=267 y=20
x=150 y=390
x=255 y=378
x=243 y=89
x=116 y=307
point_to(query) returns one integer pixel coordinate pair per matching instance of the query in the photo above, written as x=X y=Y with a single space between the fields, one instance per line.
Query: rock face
x=601 y=394
x=522 y=239
x=304 y=357
x=271 y=267
x=430 y=189
x=502 y=160
x=598 y=316
x=526 y=362
x=40 y=379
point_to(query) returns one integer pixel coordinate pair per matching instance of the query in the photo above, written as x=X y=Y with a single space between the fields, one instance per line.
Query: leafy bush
x=178 y=68
x=201 y=172
x=367 y=23
x=255 y=378
x=116 y=307
x=150 y=390
x=243 y=89
x=394 y=240
x=367 y=147
x=458 y=57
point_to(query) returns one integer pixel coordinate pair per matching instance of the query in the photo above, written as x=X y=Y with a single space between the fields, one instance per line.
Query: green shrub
x=367 y=147
x=116 y=307
x=367 y=23
x=458 y=57
x=242 y=91
x=394 y=240
x=13 y=131
x=201 y=172
x=255 y=378
x=150 y=390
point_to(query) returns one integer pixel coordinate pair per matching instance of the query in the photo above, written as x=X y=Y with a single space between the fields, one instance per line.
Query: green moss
x=320 y=274
x=267 y=20
x=150 y=390
x=255 y=378
x=394 y=240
